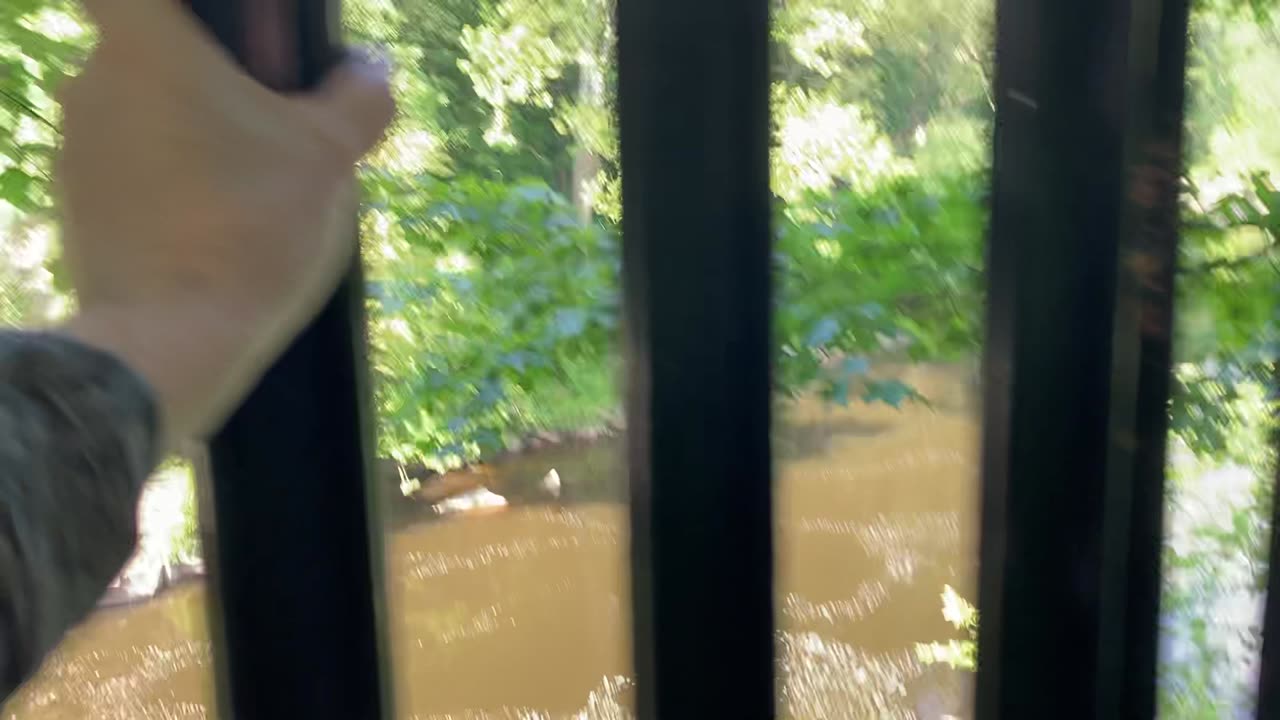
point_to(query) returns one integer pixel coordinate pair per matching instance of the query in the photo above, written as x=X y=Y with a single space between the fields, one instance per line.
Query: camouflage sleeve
x=78 y=436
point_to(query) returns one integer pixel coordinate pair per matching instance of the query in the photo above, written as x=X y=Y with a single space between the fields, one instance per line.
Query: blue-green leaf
x=570 y=322
x=854 y=366
x=823 y=332
x=890 y=392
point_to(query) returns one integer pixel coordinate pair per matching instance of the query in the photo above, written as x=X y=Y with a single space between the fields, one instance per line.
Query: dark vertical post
x=1080 y=266
x=1269 y=672
x=696 y=207
x=1150 y=262
x=299 y=573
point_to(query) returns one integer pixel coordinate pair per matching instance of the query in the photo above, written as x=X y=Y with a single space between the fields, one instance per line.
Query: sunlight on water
x=149 y=662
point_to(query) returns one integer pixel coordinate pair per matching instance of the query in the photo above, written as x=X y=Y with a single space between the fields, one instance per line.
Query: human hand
x=206 y=218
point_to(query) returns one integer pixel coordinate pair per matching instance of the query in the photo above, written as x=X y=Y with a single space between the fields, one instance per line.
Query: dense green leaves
x=864 y=274
x=506 y=292
x=514 y=293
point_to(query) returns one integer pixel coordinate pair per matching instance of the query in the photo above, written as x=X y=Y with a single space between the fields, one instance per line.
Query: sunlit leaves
x=959 y=654
x=822 y=142
x=40 y=43
x=1229 y=326
x=520 y=53
x=821 y=38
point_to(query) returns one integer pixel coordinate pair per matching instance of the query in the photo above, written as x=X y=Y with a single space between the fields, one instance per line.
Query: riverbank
x=169 y=551
x=169 y=555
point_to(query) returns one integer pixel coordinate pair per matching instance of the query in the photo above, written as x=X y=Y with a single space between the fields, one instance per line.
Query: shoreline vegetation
x=170 y=553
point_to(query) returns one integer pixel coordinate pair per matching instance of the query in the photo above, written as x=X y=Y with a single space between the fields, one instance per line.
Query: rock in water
x=551 y=483
x=474 y=500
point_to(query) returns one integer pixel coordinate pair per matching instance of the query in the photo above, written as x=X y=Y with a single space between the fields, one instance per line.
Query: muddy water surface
x=522 y=612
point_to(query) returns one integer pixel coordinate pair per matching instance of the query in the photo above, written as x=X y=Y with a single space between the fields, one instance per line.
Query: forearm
x=198 y=358
x=78 y=436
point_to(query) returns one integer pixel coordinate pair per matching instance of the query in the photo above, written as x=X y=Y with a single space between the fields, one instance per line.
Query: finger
x=117 y=16
x=101 y=12
x=154 y=37
x=354 y=104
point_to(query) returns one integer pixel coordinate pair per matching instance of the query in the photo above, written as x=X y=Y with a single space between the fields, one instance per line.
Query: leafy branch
x=27 y=109
x=1233 y=262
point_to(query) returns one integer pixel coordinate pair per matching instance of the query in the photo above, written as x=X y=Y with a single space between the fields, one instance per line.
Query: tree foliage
x=492 y=218
x=499 y=290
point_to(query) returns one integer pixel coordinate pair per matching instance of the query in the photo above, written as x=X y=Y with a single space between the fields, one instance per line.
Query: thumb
x=354 y=104
x=112 y=16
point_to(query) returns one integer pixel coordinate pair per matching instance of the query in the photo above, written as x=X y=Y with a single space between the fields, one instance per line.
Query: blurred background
x=491 y=233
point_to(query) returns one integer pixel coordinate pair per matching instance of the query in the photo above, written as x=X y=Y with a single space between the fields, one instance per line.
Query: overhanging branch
x=28 y=110
x=1233 y=262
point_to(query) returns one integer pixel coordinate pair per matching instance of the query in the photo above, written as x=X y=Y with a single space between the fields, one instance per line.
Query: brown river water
x=522 y=612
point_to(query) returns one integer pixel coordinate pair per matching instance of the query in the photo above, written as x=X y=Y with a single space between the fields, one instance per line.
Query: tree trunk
x=586 y=165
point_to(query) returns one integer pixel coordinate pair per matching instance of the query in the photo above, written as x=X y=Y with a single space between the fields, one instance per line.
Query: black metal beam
x=298 y=578
x=1269 y=671
x=1080 y=263
x=1152 y=258
x=695 y=137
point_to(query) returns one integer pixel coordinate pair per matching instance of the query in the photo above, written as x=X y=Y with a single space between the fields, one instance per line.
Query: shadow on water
x=522 y=611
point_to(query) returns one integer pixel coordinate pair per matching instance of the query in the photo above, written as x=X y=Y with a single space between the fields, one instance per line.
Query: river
x=522 y=612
